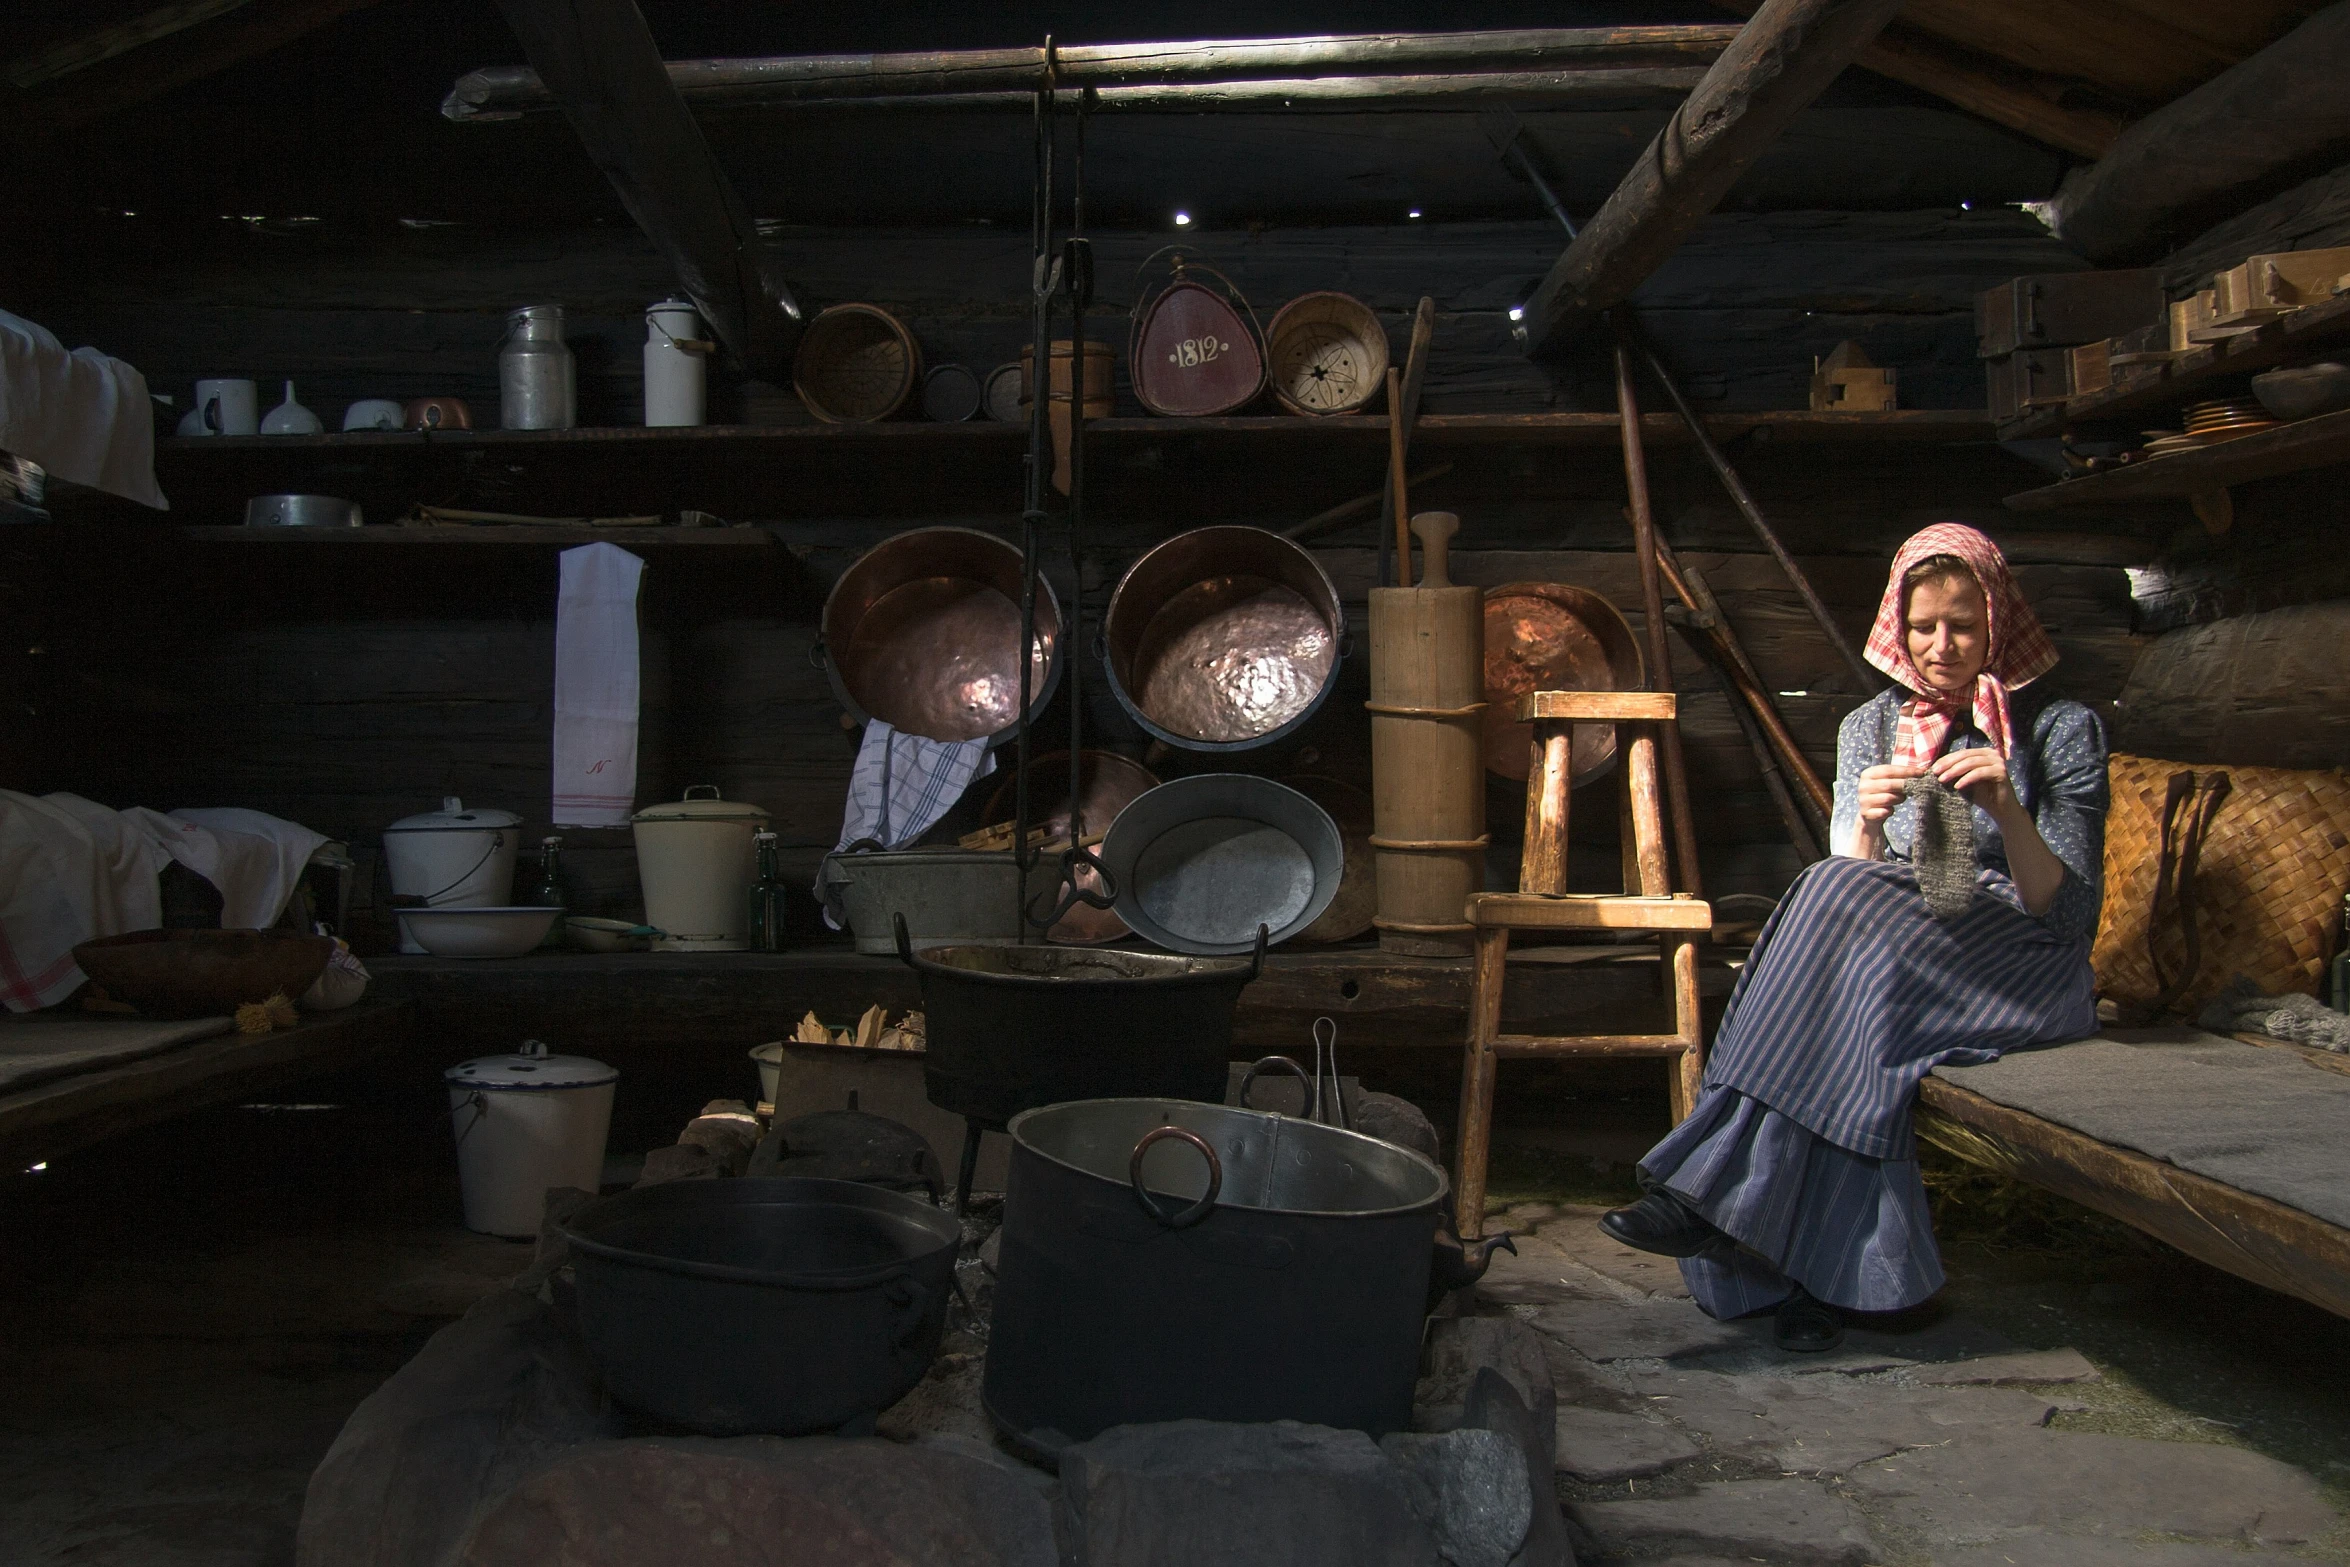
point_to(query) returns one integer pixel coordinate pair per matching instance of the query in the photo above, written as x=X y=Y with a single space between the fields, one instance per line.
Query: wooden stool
x=1543 y=903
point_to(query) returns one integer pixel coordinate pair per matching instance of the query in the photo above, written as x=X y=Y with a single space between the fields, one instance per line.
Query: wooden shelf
x=490 y=533
x=1929 y=426
x=2303 y=332
x=2289 y=448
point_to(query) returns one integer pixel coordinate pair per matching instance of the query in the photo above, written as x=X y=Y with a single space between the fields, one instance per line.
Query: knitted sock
x=1944 y=853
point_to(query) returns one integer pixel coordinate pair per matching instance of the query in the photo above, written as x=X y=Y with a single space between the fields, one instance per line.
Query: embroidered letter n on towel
x=596 y=686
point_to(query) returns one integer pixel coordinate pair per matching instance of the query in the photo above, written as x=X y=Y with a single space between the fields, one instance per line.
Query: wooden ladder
x=1543 y=903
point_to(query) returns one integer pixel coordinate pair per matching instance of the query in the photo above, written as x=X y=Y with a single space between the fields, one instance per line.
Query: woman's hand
x=1878 y=791
x=1981 y=775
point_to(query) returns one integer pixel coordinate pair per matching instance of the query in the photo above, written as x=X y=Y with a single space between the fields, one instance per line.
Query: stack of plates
x=2211 y=422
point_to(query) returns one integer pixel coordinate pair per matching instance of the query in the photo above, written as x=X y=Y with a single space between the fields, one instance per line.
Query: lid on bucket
x=531 y=1067
x=710 y=809
x=454 y=817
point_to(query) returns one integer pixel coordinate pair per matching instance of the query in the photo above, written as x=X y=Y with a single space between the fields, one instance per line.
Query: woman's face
x=1948 y=626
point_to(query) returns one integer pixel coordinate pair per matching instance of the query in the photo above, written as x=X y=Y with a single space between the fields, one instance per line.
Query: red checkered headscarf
x=2019 y=650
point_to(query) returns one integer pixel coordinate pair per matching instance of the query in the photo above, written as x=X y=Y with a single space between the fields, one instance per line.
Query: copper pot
x=1223 y=638
x=923 y=632
x=1548 y=636
x=437 y=413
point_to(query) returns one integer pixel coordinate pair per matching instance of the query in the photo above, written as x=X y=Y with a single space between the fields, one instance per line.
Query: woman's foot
x=1805 y=1325
x=1662 y=1223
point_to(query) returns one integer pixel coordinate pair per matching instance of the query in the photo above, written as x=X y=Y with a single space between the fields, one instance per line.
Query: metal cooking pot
x=1109 y=783
x=923 y=632
x=1201 y=863
x=1009 y=1027
x=1170 y=1261
x=302 y=511
x=1223 y=639
x=942 y=894
x=786 y=1306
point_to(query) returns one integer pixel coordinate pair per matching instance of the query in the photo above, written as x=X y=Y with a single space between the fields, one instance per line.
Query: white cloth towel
x=596 y=686
x=72 y=870
x=82 y=416
x=902 y=784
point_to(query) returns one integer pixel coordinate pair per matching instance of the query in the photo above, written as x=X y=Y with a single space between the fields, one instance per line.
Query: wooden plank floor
x=2253 y=1237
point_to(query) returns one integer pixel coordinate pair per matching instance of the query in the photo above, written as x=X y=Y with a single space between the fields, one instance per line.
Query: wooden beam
x=1993 y=89
x=1781 y=60
x=1290 y=64
x=599 y=59
x=85 y=79
x=2171 y=171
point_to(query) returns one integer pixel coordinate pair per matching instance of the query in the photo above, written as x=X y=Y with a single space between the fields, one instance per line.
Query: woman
x=1794 y=1181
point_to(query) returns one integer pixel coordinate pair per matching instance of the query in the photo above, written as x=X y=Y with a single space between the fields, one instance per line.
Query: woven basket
x=1325 y=353
x=2268 y=893
x=856 y=364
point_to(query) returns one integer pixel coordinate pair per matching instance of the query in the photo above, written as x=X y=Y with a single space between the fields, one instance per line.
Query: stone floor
x=187 y=1316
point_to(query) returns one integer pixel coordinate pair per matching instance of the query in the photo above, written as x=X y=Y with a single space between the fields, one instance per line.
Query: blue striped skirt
x=1801 y=1147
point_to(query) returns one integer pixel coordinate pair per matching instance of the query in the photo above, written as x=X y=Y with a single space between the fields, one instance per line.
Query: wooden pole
x=599 y=59
x=1394 y=518
x=503 y=92
x=1799 y=829
x=1752 y=511
x=1652 y=607
x=1397 y=479
x=1780 y=61
x=1345 y=512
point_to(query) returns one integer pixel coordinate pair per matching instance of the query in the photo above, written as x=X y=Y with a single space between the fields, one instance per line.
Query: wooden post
x=1780 y=61
x=1680 y=952
x=599 y=59
x=1542 y=862
x=1397 y=479
x=1660 y=650
x=1476 y=1130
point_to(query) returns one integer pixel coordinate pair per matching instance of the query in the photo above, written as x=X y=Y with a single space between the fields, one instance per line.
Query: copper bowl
x=203 y=973
x=1547 y=636
x=1109 y=784
x=1223 y=639
x=923 y=633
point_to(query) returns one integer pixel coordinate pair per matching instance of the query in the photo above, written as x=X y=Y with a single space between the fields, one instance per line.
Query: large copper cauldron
x=923 y=632
x=1223 y=639
x=1110 y=783
x=1547 y=636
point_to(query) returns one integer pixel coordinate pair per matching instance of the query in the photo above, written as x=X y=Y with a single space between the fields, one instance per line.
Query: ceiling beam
x=1555 y=55
x=1998 y=92
x=599 y=60
x=1781 y=60
x=2179 y=167
x=82 y=80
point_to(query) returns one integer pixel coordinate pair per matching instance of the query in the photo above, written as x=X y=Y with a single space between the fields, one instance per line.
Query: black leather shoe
x=1805 y=1325
x=1662 y=1223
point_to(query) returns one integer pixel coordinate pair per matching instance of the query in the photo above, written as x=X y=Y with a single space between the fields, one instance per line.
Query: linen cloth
x=81 y=415
x=597 y=686
x=1801 y=1147
x=72 y=869
x=899 y=788
x=2017 y=650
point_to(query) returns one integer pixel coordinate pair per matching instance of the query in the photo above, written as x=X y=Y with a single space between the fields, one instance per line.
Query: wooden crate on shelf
x=2062 y=309
x=2029 y=379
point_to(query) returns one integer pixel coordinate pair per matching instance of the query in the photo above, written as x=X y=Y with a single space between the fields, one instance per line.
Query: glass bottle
x=766 y=895
x=547 y=892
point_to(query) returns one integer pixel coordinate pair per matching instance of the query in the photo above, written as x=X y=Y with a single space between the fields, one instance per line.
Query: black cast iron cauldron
x=1008 y=1028
x=1168 y=1261
x=785 y=1306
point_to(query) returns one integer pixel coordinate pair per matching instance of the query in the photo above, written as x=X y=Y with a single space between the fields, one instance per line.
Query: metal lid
x=711 y=809
x=531 y=1067
x=454 y=817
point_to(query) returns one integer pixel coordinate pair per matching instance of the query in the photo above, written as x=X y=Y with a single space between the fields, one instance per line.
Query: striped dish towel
x=902 y=784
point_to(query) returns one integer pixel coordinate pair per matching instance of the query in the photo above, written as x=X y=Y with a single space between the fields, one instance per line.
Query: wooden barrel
x=1325 y=353
x=1428 y=753
x=856 y=364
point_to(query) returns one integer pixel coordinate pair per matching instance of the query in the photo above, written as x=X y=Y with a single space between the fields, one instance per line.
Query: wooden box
x=2061 y=309
x=2035 y=378
x=2266 y=287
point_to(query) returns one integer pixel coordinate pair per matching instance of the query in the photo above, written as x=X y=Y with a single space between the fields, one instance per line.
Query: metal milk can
x=535 y=376
x=674 y=352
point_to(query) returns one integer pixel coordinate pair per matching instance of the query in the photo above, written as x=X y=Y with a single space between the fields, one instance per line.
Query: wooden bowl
x=203 y=973
x=1326 y=353
x=856 y=364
